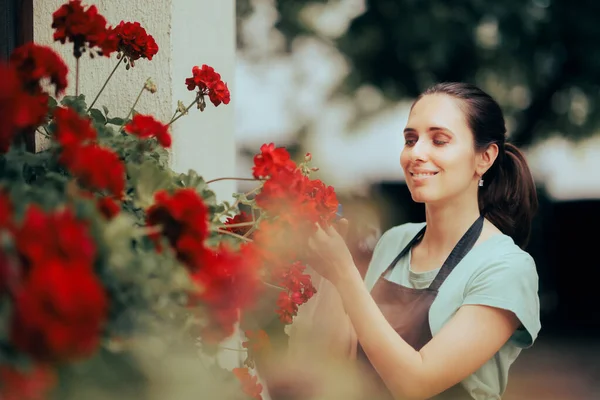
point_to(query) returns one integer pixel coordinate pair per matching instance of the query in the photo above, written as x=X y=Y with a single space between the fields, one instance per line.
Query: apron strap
x=406 y=249
x=464 y=245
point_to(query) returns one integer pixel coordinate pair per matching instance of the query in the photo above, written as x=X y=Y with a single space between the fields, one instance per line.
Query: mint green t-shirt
x=494 y=273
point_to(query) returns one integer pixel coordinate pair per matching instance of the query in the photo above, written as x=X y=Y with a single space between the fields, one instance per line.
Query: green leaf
x=191 y=180
x=117 y=235
x=75 y=102
x=148 y=178
x=52 y=103
x=115 y=121
x=97 y=116
x=105 y=110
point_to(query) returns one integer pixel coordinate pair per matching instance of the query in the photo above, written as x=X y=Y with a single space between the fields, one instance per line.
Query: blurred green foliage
x=537 y=57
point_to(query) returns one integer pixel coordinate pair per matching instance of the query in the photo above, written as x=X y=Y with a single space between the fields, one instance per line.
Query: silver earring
x=481 y=182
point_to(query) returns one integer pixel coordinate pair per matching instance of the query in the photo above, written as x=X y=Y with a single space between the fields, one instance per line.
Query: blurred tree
x=537 y=57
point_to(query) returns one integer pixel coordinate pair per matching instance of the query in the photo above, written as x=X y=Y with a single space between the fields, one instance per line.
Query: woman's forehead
x=437 y=110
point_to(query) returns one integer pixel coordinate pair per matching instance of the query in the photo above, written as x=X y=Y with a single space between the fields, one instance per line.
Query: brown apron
x=407 y=309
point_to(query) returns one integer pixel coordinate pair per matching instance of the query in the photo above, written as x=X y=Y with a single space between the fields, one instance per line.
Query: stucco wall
x=119 y=95
x=188 y=33
x=203 y=32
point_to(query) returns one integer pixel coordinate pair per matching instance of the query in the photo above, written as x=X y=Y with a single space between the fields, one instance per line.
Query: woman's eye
x=439 y=142
x=409 y=142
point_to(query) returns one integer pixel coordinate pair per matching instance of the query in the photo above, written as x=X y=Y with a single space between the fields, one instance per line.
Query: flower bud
x=150 y=86
x=181 y=107
x=308 y=157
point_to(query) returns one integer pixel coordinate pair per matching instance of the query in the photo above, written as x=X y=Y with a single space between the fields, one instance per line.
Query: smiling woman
x=446 y=306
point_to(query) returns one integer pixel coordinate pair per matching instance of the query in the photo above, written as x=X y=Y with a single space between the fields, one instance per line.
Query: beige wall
x=188 y=33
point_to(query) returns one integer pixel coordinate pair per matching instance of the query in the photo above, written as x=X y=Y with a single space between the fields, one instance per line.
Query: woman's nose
x=419 y=151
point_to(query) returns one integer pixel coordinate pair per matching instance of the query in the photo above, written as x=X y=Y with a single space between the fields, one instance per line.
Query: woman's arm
x=464 y=344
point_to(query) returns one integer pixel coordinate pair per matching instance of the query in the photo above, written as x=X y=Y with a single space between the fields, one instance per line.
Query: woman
x=447 y=305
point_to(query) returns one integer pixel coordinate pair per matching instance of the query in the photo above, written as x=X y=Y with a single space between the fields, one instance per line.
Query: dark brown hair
x=508 y=197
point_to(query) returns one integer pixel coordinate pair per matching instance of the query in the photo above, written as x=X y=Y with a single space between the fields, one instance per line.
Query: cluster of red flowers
x=135 y=42
x=288 y=193
x=183 y=219
x=23 y=104
x=227 y=280
x=250 y=385
x=57 y=256
x=239 y=224
x=209 y=83
x=35 y=63
x=299 y=289
x=295 y=203
x=258 y=345
x=146 y=127
x=85 y=28
x=95 y=167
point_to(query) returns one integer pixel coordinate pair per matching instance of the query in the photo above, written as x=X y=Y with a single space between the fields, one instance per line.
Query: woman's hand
x=330 y=256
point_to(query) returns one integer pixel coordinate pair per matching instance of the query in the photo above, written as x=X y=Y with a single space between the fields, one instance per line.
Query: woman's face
x=438 y=159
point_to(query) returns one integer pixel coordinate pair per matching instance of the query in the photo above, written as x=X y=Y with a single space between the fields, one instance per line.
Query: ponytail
x=508 y=198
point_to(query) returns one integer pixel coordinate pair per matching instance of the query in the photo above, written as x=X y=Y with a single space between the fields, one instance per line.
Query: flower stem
x=232 y=349
x=218 y=216
x=119 y=62
x=272 y=286
x=133 y=106
x=77 y=77
x=233 y=234
x=148 y=230
x=43 y=134
x=183 y=113
x=233 y=179
x=240 y=225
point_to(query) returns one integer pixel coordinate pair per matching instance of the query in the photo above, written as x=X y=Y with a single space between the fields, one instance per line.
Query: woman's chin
x=421 y=196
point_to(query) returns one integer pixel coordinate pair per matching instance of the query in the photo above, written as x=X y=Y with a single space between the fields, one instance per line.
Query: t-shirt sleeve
x=372 y=270
x=510 y=283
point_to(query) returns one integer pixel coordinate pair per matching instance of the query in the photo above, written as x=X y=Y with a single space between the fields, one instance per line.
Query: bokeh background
x=337 y=77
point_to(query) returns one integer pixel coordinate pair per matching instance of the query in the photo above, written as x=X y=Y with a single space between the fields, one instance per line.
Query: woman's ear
x=486 y=159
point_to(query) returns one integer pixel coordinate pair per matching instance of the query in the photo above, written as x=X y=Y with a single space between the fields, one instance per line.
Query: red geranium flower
x=228 y=282
x=271 y=160
x=83 y=27
x=72 y=129
x=145 y=127
x=283 y=194
x=35 y=62
x=202 y=78
x=219 y=93
x=134 y=42
x=108 y=207
x=241 y=218
x=60 y=237
x=322 y=200
x=33 y=384
x=59 y=306
x=6 y=210
x=250 y=385
x=19 y=110
x=257 y=342
x=209 y=83
x=184 y=220
x=97 y=168
x=59 y=312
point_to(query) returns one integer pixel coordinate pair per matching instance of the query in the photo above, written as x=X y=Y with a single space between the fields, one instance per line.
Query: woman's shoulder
x=498 y=262
x=400 y=234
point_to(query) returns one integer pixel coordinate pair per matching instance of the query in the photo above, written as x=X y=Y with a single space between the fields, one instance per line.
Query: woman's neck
x=446 y=224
